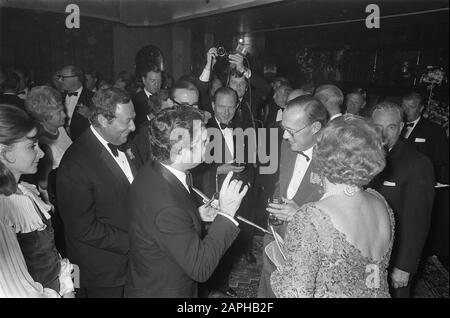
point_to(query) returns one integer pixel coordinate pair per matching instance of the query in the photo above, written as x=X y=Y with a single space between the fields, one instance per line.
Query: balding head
x=331 y=97
x=296 y=93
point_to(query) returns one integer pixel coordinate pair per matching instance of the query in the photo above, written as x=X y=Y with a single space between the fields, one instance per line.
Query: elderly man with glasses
x=299 y=182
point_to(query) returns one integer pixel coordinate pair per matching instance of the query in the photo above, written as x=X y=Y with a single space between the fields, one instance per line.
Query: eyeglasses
x=195 y=105
x=292 y=133
x=61 y=77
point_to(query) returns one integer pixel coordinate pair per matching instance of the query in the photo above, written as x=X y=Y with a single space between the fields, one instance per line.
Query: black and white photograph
x=241 y=150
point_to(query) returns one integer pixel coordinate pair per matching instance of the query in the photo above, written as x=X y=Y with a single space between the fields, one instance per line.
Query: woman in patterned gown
x=340 y=245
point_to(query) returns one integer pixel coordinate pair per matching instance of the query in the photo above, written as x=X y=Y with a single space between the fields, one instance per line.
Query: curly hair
x=104 y=102
x=42 y=101
x=164 y=123
x=350 y=151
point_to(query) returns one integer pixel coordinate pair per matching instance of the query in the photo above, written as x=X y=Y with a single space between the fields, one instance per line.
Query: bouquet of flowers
x=435 y=111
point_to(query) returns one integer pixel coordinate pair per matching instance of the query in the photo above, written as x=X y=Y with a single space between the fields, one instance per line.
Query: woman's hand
x=284 y=211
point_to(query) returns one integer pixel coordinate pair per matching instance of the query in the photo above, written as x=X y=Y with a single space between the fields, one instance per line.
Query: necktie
x=409 y=125
x=114 y=149
x=72 y=94
x=223 y=126
x=305 y=155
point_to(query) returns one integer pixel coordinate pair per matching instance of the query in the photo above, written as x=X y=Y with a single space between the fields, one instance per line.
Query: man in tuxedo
x=209 y=177
x=429 y=138
x=77 y=100
x=92 y=185
x=332 y=98
x=299 y=181
x=169 y=252
x=407 y=183
x=151 y=78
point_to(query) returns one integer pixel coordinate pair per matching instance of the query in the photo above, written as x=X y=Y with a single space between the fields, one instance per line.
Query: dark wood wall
x=39 y=40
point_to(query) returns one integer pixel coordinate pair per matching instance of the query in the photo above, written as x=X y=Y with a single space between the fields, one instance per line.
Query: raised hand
x=211 y=58
x=238 y=61
x=230 y=197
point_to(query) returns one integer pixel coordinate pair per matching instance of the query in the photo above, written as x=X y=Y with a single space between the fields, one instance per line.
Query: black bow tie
x=305 y=155
x=72 y=94
x=21 y=93
x=114 y=149
x=223 y=126
x=409 y=125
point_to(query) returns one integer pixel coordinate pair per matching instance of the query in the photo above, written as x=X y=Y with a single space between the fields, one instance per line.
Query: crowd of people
x=109 y=189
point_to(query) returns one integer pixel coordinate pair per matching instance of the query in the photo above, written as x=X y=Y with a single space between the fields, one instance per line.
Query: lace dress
x=321 y=263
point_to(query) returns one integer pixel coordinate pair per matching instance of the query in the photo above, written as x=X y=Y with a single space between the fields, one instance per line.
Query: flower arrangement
x=435 y=111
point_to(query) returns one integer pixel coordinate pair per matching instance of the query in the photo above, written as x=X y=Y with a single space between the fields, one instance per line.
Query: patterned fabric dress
x=321 y=263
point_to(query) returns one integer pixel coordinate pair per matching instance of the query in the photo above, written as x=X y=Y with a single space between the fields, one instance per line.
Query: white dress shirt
x=301 y=165
x=147 y=93
x=228 y=136
x=279 y=114
x=180 y=175
x=121 y=160
x=408 y=130
x=70 y=104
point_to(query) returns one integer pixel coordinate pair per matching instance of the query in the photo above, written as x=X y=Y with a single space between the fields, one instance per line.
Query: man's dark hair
x=164 y=123
x=149 y=68
x=413 y=96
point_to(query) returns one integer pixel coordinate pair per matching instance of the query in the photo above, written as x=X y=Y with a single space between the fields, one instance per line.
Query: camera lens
x=221 y=51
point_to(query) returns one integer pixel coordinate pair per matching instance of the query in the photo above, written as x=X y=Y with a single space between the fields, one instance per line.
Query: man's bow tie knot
x=72 y=94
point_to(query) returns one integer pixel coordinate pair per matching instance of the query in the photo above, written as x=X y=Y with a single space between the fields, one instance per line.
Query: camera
x=223 y=53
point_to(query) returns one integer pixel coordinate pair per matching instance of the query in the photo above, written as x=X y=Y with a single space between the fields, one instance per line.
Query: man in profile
x=169 y=252
x=407 y=184
x=92 y=184
x=299 y=182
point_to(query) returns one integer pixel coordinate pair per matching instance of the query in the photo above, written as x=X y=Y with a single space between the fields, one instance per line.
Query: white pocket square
x=389 y=184
x=420 y=140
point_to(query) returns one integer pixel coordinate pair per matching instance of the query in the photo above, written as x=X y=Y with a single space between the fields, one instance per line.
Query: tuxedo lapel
x=112 y=165
x=226 y=153
x=287 y=165
x=175 y=183
x=310 y=188
x=108 y=161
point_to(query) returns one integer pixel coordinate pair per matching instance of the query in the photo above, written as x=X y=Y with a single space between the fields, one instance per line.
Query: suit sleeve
x=177 y=236
x=441 y=154
x=76 y=201
x=415 y=222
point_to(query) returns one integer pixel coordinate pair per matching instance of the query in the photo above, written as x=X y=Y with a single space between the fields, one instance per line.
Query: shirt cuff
x=248 y=73
x=204 y=77
x=229 y=217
